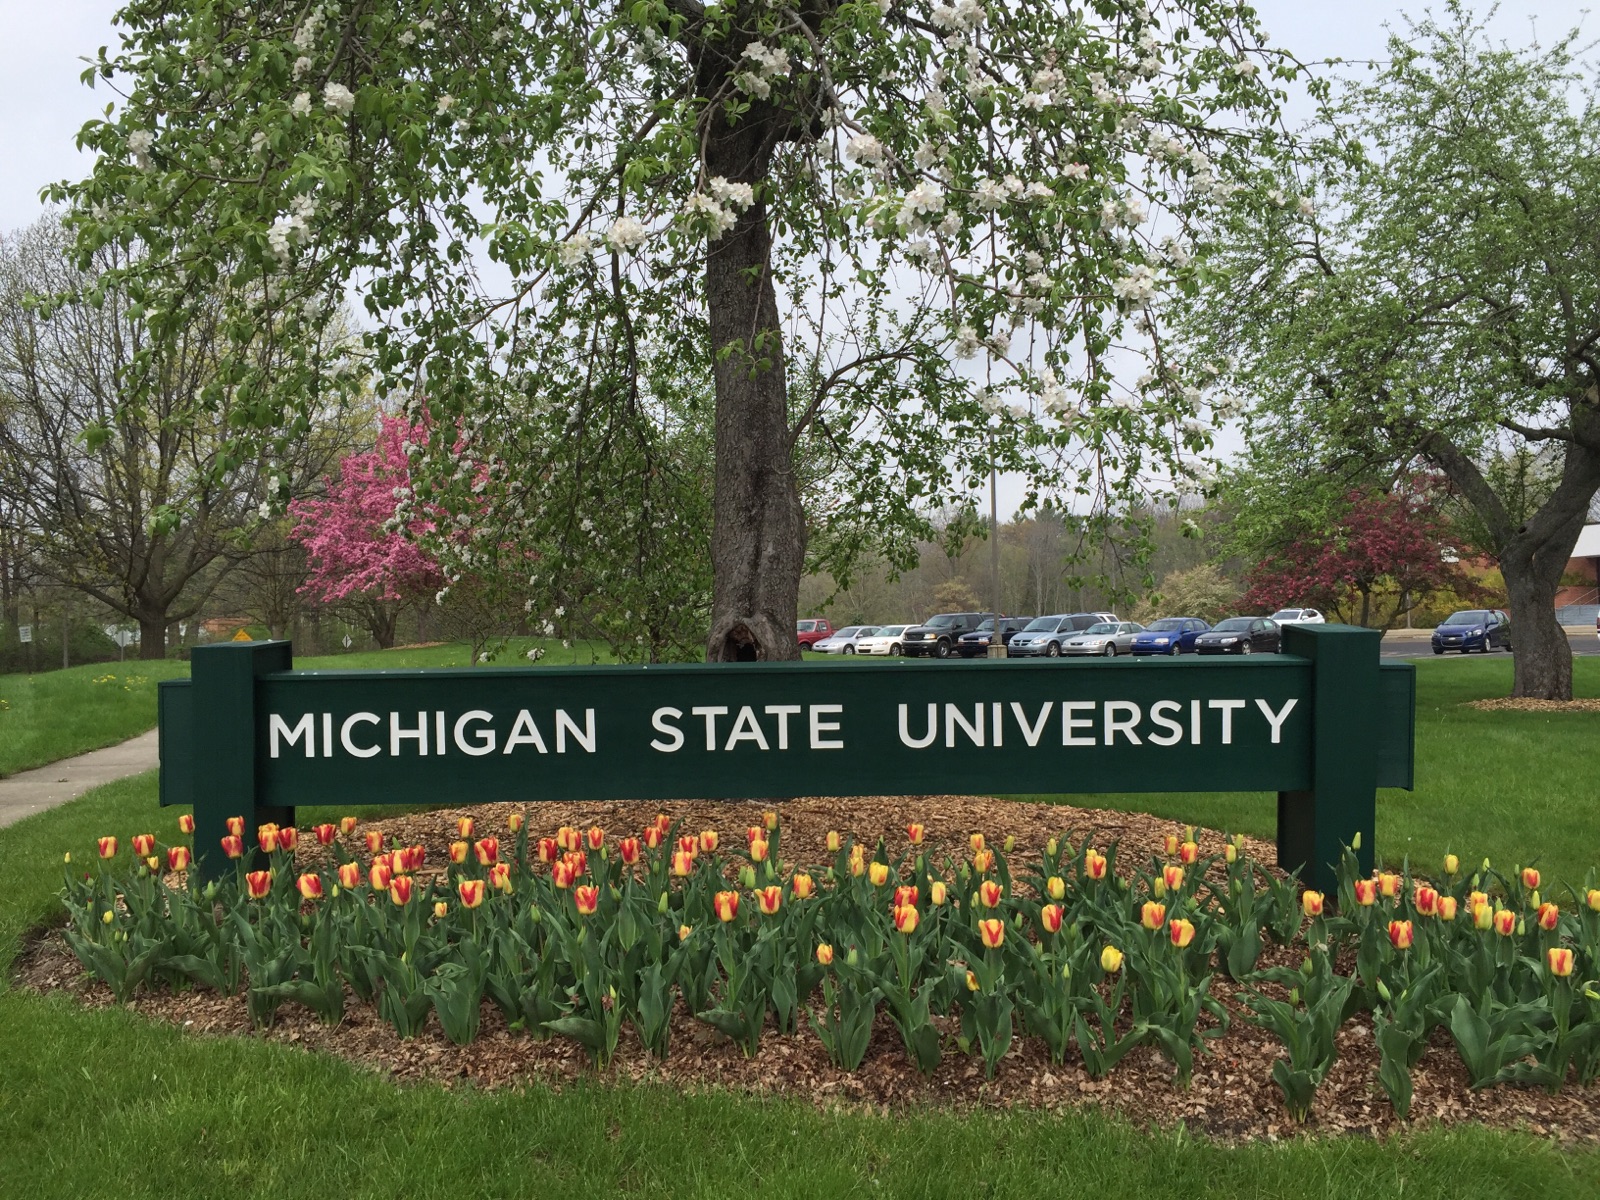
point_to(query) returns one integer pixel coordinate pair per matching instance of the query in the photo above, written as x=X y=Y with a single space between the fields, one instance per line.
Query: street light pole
x=997 y=646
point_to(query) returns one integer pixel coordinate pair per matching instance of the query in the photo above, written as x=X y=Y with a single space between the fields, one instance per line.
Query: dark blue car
x=1481 y=629
x=1169 y=635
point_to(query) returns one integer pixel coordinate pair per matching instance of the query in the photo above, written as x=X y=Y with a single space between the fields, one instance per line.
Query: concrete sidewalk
x=28 y=792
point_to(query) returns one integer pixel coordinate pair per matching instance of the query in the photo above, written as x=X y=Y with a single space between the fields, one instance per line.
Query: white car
x=886 y=641
x=843 y=641
x=1299 y=616
x=1108 y=638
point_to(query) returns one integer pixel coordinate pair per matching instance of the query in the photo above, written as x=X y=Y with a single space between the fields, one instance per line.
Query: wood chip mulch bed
x=1526 y=704
x=1231 y=1097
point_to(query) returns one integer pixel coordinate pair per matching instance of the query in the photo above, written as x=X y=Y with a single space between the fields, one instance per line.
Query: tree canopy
x=1433 y=302
x=906 y=239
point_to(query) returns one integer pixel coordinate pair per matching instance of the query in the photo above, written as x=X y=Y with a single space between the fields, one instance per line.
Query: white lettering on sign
x=763 y=729
x=659 y=720
x=278 y=728
x=1277 y=719
x=361 y=718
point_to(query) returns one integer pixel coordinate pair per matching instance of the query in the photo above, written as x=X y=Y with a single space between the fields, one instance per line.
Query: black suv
x=937 y=638
x=972 y=645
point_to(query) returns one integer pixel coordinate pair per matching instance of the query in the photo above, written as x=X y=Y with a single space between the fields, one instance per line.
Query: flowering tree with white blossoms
x=906 y=240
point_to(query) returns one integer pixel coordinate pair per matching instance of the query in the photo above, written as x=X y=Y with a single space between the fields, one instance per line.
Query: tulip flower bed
x=980 y=968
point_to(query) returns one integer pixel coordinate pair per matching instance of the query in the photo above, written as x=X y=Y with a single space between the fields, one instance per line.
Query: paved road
x=28 y=792
x=1583 y=642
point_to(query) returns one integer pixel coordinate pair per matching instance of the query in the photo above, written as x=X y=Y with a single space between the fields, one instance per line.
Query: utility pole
x=66 y=630
x=997 y=646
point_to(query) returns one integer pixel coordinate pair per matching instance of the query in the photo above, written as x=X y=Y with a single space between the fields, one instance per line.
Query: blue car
x=1482 y=629
x=1169 y=635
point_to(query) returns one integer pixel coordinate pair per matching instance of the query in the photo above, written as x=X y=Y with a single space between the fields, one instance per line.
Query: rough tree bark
x=759 y=533
x=1533 y=555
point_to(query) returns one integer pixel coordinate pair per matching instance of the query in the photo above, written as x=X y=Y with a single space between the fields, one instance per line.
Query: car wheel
x=849 y=650
x=1247 y=648
x=1177 y=649
x=1436 y=650
x=941 y=649
x=1053 y=650
x=1111 y=650
x=894 y=650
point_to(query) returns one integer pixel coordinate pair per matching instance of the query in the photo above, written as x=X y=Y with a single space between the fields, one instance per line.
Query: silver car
x=1109 y=638
x=843 y=641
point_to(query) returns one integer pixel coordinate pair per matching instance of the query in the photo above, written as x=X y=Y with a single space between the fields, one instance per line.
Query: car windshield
x=943 y=622
x=1470 y=617
x=1102 y=627
x=847 y=631
x=985 y=625
x=890 y=631
x=1042 y=624
x=1286 y=614
x=1232 y=625
x=865 y=631
x=1166 y=625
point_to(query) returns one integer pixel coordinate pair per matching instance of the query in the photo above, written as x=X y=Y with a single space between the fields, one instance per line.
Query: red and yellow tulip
x=824 y=954
x=1055 y=887
x=628 y=850
x=258 y=884
x=682 y=863
x=1427 y=900
x=267 y=838
x=983 y=861
x=458 y=852
x=1050 y=918
x=725 y=905
x=1366 y=892
x=1094 y=864
x=500 y=877
x=759 y=849
x=1446 y=909
x=178 y=858
x=1505 y=922
x=1401 y=935
x=325 y=833
x=347 y=825
x=993 y=932
x=1312 y=902
x=1559 y=960
x=936 y=893
x=236 y=826
x=310 y=886
x=878 y=874
x=487 y=850
x=905 y=919
x=802 y=886
x=1530 y=878
x=1153 y=915
x=349 y=875
x=1172 y=877
x=587 y=897
x=990 y=894
x=374 y=841
x=471 y=891
x=596 y=837
x=144 y=844
x=709 y=840
x=915 y=833
x=1188 y=853
x=380 y=875
x=906 y=893
x=1549 y=916
x=568 y=838
x=186 y=823
x=563 y=873
x=1389 y=884
x=108 y=847
x=400 y=888
x=770 y=899
x=233 y=846
x=1181 y=932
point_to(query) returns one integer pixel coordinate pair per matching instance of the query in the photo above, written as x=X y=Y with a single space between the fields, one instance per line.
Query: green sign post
x=1323 y=725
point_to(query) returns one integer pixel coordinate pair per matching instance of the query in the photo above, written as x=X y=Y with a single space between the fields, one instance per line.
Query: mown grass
x=105 y=1103
x=1517 y=787
x=61 y=713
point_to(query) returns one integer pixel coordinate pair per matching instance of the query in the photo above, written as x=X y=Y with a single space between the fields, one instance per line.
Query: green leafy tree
x=1436 y=305
x=904 y=238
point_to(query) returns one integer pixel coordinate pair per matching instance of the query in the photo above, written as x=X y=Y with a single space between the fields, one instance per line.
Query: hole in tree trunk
x=740 y=646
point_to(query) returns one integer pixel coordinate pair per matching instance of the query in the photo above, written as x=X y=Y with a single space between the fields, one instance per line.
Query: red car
x=809 y=633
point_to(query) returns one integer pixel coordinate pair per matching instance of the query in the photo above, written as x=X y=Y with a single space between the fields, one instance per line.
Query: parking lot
x=1413 y=643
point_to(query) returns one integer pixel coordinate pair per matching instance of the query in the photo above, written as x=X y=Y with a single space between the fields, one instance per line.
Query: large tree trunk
x=758 y=536
x=1534 y=555
x=153 y=636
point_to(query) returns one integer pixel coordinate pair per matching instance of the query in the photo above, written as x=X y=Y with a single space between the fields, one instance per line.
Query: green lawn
x=61 y=713
x=1519 y=787
x=107 y=1104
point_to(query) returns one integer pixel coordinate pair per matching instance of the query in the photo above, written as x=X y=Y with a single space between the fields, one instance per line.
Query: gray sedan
x=1109 y=639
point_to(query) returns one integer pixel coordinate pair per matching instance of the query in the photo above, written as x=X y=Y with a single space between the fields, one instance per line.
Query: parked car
x=1298 y=616
x=1109 y=638
x=1169 y=635
x=811 y=631
x=976 y=643
x=843 y=641
x=938 y=636
x=1046 y=636
x=1241 y=635
x=885 y=640
x=1482 y=629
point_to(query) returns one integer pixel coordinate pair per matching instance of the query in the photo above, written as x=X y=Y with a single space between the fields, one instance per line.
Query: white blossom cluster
x=1137 y=286
x=717 y=208
x=962 y=17
x=291 y=228
x=139 y=143
x=626 y=233
x=766 y=63
x=865 y=149
x=338 y=98
x=574 y=250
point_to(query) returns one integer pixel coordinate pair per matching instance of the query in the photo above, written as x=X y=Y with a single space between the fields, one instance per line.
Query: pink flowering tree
x=359 y=561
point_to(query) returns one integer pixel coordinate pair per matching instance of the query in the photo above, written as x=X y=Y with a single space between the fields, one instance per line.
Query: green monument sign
x=1323 y=725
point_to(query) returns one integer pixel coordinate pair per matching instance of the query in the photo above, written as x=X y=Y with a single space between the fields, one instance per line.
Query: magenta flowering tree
x=358 y=559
